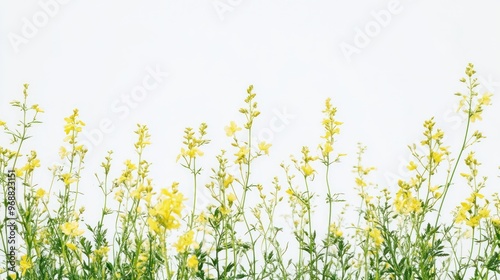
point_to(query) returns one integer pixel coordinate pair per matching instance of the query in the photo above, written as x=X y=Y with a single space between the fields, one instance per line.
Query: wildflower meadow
x=152 y=231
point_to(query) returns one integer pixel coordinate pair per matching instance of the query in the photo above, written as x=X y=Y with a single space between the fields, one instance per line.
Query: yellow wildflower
x=192 y=262
x=376 y=236
x=335 y=230
x=40 y=193
x=228 y=180
x=241 y=155
x=307 y=169
x=71 y=246
x=103 y=251
x=25 y=264
x=37 y=108
x=412 y=166
x=232 y=129
x=406 y=203
x=153 y=225
x=231 y=198
x=436 y=157
x=71 y=229
x=67 y=179
x=264 y=147
x=360 y=182
x=326 y=149
x=485 y=99
x=168 y=210
x=184 y=241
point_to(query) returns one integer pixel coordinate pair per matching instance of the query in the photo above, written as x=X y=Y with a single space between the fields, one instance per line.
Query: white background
x=92 y=54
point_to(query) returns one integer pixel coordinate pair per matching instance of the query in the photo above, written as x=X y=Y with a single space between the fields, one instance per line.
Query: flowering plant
x=404 y=234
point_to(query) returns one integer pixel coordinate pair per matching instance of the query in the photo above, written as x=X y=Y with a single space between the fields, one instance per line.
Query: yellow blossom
x=184 y=241
x=485 y=99
x=40 y=193
x=326 y=149
x=71 y=246
x=231 y=198
x=228 y=180
x=360 y=182
x=25 y=264
x=103 y=251
x=335 y=230
x=307 y=169
x=119 y=195
x=412 y=166
x=406 y=203
x=153 y=225
x=241 y=155
x=67 y=179
x=37 y=108
x=264 y=147
x=436 y=157
x=232 y=129
x=476 y=116
x=71 y=229
x=192 y=262
x=168 y=209
x=376 y=236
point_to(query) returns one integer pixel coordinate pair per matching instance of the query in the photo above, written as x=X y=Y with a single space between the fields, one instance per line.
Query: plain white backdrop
x=387 y=65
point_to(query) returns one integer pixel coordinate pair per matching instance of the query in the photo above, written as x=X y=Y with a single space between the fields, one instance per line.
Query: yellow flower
x=25 y=264
x=436 y=157
x=376 y=236
x=485 y=99
x=192 y=152
x=307 y=169
x=326 y=149
x=192 y=262
x=241 y=155
x=184 y=241
x=168 y=209
x=71 y=246
x=72 y=123
x=232 y=129
x=231 y=198
x=40 y=193
x=2 y=123
x=63 y=152
x=153 y=225
x=71 y=229
x=476 y=116
x=119 y=195
x=263 y=146
x=289 y=192
x=412 y=166
x=406 y=203
x=37 y=108
x=67 y=179
x=483 y=212
x=335 y=230
x=13 y=275
x=103 y=251
x=228 y=180
x=473 y=221
x=360 y=182
x=144 y=137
